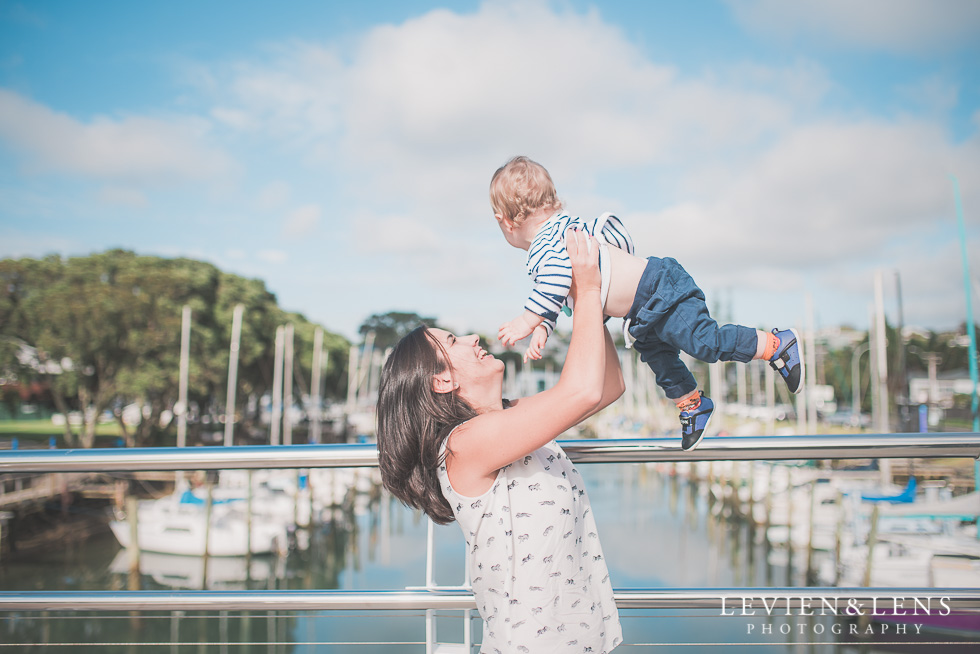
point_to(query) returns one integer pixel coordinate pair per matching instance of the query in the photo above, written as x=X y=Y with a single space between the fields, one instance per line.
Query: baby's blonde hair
x=519 y=188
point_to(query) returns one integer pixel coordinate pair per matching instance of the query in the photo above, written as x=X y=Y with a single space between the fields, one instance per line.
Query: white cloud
x=403 y=235
x=891 y=25
x=447 y=93
x=737 y=170
x=16 y=243
x=827 y=204
x=302 y=221
x=135 y=149
x=274 y=195
x=233 y=118
x=294 y=89
x=272 y=256
x=801 y=84
x=934 y=96
x=851 y=187
x=932 y=282
x=427 y=109
x=122 y=197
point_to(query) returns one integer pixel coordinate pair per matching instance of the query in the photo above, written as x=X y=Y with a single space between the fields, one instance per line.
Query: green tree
x=105 y=330
x=21 y=328
x=160 y=289
x=389 y=328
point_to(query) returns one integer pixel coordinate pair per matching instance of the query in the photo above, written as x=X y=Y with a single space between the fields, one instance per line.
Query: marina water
x=657 y=531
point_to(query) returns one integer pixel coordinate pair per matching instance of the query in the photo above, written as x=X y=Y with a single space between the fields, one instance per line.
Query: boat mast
x=970 y=328
x=236 y=337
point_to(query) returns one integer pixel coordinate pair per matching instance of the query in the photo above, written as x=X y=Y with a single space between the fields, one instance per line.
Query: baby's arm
x=552 y=281
x=518 y=328
x=538 y=338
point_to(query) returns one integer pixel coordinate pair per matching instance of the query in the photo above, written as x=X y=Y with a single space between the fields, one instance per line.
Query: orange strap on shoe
x=772 y=344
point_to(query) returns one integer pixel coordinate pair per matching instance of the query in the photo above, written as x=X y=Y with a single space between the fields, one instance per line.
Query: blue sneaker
x=694 y=422
x=788 y=359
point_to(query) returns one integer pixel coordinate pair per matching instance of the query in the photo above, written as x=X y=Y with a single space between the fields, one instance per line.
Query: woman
x=447 y=446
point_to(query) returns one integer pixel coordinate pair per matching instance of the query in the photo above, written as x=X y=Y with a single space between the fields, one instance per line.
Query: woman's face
x=468 y=362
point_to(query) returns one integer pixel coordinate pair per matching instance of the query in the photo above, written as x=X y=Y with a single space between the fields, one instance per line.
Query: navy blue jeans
x=669 y=316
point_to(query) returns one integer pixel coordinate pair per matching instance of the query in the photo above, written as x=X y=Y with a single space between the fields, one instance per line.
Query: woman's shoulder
x=461 y=437
x=445 y=446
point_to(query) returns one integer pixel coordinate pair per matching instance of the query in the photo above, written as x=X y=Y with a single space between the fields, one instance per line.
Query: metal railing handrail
x=587 y=451
x=729 y=599
x=624 y=450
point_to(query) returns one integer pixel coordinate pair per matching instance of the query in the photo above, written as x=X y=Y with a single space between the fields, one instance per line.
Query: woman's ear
x=443 y=383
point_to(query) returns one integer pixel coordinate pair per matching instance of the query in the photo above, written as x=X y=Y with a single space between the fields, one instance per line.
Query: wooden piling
x=309 y=491
x=769 y=498
x=248 y=529
x=5 y=517
x=208 y=506
x=296 y=497
x=64 y=495
x=737 y=485
x=865 y=618
x=789 y=527
x=809 y=546
x=872 y=539
x=838 y=531
x=722 y=484
x=709 y=481
x=672 y=496
x=132 y=514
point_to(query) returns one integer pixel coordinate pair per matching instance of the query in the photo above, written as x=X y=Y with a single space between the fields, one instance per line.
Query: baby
x=664 y=311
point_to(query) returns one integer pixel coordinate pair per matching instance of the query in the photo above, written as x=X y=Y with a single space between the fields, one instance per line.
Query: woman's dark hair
x=413 y=422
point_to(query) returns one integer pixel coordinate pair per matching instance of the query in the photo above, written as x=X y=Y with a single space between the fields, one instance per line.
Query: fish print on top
x=537 y=569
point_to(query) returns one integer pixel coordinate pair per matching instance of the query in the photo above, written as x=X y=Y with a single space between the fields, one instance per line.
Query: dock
x=26 y=497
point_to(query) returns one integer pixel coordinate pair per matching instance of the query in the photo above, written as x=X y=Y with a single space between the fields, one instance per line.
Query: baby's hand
x=514 y=330
x=538 y=338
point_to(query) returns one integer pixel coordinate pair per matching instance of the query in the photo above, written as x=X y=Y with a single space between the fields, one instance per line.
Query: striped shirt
x=548 y=264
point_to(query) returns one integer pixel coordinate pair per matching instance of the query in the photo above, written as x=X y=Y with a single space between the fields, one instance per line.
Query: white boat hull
x=171 y=528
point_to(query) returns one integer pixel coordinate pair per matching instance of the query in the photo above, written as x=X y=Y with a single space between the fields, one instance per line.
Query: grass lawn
x=40 y=431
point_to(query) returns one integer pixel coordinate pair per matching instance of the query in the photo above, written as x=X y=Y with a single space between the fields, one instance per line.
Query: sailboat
x=175 y=524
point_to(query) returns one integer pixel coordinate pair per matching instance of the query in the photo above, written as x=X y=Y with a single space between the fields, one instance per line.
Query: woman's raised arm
x=588 y=382
x=613 y=384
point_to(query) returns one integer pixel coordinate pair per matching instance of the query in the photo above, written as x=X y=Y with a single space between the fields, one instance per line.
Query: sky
x=785 y=153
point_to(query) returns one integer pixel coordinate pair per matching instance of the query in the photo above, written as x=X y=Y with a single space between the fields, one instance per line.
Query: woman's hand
x=493 y=439
x=583 y=254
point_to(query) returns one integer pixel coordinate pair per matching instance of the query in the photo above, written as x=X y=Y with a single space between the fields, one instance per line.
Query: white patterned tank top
x=538 y=574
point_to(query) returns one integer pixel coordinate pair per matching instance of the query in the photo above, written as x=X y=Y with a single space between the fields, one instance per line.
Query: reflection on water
x=656 y=530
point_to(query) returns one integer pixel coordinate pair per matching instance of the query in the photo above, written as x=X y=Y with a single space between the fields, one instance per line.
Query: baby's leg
x=680 y=386
x=651 y=304
x=672 y=375
x=688 y=326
